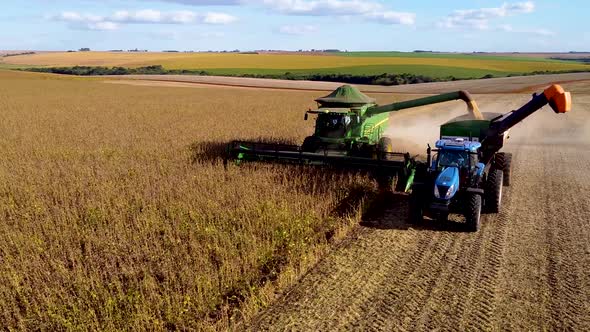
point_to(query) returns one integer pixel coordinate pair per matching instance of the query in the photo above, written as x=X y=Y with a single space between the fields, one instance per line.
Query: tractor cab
x=456 y=165
x=456 y=152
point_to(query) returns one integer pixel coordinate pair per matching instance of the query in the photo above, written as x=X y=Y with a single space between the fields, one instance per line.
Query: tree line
x=379 y=79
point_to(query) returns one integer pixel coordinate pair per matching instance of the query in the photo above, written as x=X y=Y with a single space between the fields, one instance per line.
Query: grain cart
x=349 y=128
x=468 y=171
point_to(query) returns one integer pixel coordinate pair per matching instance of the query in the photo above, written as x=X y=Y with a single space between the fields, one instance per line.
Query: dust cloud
x=411 y=130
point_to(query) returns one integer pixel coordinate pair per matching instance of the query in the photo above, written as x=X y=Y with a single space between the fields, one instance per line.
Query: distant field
x=358 y=63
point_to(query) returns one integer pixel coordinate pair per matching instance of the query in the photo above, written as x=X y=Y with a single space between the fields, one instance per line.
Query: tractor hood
x=447 y=183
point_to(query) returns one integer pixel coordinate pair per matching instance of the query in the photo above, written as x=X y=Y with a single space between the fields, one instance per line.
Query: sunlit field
x=117 y=211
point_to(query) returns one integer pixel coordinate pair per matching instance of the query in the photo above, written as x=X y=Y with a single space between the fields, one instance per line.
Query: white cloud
x=480 y=18
x=146 y=16
x=389 y=17
x=538 y=32
x=206 y=2
x=297 y=29
x=218 y=18
x=102 y=26
x=323 y=7
x=367 y=10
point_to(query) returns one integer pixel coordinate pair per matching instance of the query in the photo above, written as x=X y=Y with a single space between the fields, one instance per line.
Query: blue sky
x=476 y=25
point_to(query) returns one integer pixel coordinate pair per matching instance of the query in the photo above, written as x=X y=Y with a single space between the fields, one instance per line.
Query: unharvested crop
x=117 y=212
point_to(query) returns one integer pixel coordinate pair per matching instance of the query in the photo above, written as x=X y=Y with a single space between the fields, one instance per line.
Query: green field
x=434 y=65
x=433 y=55
x=425 y=70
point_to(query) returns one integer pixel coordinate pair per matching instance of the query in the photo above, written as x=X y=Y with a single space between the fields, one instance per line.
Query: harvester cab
x=349 y=132
x=342 y=126
x=467 y=171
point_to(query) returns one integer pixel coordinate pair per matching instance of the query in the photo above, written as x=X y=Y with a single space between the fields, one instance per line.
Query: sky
x=353 y=25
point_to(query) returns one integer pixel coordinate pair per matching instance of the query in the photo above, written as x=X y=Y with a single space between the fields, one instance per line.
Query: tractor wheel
x=493 y=190
x=416 y=208
x=504 y=162
x=473 y=212
x=310 y=144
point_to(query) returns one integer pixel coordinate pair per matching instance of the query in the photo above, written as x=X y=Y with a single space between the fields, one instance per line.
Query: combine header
x=468 y=171
x=348 y=133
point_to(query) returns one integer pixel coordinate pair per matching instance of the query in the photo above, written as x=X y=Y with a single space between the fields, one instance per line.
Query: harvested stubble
x=117 y=213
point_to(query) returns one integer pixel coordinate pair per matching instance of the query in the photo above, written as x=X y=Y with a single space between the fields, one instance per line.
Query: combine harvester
x=468 y=171
x=348 y=133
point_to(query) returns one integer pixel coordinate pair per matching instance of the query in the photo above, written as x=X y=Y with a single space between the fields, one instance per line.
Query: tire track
x=402 y=299
x=525 y=269
x=568 y=308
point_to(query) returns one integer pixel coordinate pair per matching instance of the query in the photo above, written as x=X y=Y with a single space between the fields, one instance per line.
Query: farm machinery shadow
x=390 y=210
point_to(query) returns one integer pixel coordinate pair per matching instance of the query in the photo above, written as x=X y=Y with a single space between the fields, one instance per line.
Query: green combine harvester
x=349 y=133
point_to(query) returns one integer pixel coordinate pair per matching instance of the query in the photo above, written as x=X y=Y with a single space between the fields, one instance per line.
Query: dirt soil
x=492 y=85
x=527 y=269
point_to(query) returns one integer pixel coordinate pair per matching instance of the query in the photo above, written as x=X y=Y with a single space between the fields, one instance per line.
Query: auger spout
x=457 y=95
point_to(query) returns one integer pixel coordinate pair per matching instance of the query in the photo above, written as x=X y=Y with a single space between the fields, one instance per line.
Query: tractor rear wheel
x=473 y=212
x=504 y=162
x=416 y=208
x=493 y=190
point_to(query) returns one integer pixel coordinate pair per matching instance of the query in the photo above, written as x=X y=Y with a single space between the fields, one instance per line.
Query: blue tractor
x=467 y=172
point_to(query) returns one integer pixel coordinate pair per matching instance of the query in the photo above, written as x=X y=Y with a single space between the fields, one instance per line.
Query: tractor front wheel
x=473 y=212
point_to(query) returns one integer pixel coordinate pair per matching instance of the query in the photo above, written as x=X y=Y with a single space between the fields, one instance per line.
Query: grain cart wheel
x=493 y=190
x=473 y=212
x=416 y=208
x=504 y=162
x=385 y=181
x=507 y=169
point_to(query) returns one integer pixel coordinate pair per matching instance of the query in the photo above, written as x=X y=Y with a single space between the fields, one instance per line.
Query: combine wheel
x=385 y=144
x=400 y=182
x=310 y=144
x=385 y=181
x=416 y=209
x=493 y=191
x=504 y=162
x=473 y=212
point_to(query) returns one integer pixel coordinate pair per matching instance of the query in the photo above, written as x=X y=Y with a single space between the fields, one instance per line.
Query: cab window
x=333 y=125
x=451 y=158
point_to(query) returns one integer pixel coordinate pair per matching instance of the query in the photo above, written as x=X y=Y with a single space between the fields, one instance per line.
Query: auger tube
x=457 y=95
x=555 y=96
